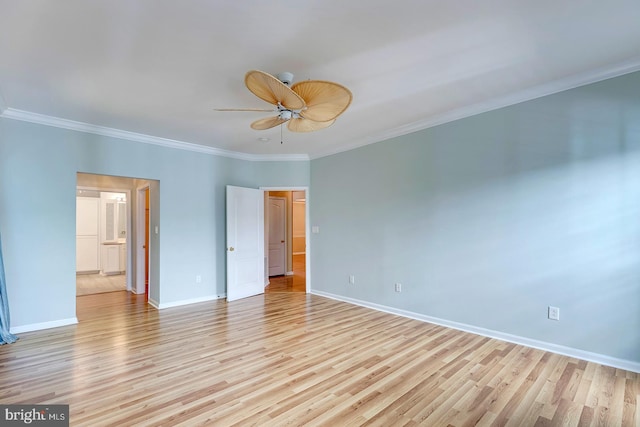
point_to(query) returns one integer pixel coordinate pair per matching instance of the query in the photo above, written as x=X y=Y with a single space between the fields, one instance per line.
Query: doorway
x=118 y=269
x=102 y=222
x=290 y=244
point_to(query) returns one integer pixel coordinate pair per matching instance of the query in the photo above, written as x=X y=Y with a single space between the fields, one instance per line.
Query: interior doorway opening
x=286 y=240
x=108 y=234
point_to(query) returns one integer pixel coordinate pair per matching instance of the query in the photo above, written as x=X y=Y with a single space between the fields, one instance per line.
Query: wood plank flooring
x=296 y=359
x=294 y=283
x=95 y=283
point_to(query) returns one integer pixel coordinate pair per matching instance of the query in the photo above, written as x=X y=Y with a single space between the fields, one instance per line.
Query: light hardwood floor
x=297 y=359
x=293 y=283
x=96 y=284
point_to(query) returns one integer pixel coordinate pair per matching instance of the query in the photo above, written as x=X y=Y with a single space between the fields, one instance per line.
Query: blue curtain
x=6 y=337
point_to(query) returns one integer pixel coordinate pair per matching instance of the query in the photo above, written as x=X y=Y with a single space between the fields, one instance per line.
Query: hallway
x=294 y=283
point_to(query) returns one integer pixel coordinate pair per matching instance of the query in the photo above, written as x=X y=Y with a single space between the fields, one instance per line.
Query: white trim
x=187 y=301
x=140 y=233
x=628 y=365
x=545 y=89
x=44 y=325
x=549 y=88
x=556 y=86
x=26 y=116
x=285 y=188
x=153 y=303
x=288 y=273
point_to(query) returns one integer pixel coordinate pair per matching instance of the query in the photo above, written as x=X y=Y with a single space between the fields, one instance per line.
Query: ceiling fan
x=307 y=106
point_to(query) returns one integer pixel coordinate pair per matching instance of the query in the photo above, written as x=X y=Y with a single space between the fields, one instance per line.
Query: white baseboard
x=602 y=359
x=44 y=325
x=186 y=301
x=153 y=303
x=289 y=273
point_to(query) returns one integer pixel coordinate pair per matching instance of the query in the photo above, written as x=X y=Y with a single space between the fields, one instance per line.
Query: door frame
x=307 y=233
x=284 y=229
x=140 y=237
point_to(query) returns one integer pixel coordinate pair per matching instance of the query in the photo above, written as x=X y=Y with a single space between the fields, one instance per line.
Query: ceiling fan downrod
x=285 y=77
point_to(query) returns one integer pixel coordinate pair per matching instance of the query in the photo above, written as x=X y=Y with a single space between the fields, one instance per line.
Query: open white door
x=245 y=242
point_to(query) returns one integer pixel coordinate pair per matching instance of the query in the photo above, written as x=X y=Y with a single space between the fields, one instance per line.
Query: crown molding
x=27 y=116
x=539 y=91
x=560 y=85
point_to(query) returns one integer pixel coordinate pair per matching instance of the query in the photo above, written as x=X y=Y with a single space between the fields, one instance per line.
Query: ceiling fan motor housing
x=286 y=114
x=286 y=78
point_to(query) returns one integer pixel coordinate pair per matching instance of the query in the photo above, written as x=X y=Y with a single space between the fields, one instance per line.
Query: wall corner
x=3 y=103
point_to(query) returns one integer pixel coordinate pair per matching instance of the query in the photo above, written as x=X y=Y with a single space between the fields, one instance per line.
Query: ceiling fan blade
x=272 y=90
x=246 y=109
x=306 y=125
x=325 y=100
x=267 y=123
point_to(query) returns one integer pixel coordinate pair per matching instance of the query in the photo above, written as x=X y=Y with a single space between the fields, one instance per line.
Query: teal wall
x=485 y=221
x=488 y=220
x=38 y=166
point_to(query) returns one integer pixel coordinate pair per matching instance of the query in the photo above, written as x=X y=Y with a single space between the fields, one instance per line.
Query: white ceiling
x=160 y=67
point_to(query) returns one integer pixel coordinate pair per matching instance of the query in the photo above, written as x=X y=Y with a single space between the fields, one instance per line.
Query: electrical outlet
x=398 y=287
x=554 y=313
x=352 y=279
x=198 y=279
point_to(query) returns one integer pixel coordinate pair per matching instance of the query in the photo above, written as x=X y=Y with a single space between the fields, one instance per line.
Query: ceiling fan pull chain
x=280 y=133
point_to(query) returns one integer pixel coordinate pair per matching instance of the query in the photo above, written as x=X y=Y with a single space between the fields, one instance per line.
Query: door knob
x=231 y=249
x=281 y=241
